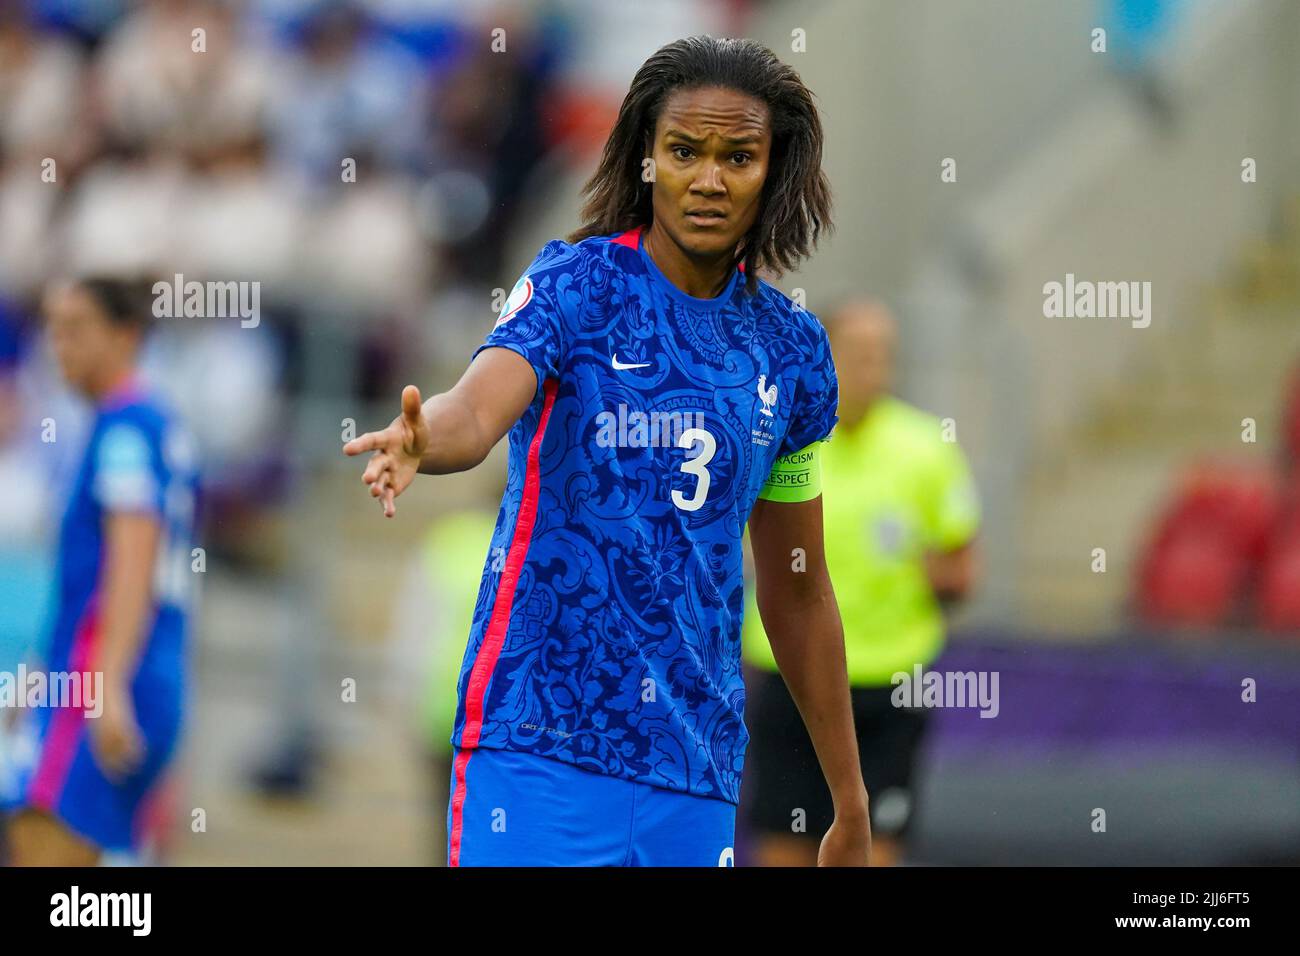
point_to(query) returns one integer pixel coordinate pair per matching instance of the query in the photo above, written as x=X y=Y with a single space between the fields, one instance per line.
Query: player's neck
x=111 y=381
x=851 y=416
x=702 y=280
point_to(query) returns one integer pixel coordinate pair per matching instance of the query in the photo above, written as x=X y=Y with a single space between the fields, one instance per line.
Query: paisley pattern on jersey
x=622 y=650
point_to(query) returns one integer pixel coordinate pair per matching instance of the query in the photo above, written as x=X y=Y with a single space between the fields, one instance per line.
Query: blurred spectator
x=39 y=84
x=156 y=87
x=349 y=94
x=487 y=138
x=85 y=21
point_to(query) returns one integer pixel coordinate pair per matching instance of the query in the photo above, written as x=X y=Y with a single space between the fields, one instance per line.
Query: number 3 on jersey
x=697 y=466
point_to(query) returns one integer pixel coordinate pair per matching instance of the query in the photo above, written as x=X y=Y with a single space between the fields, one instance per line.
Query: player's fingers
x=131 y=754
x=382 y=489
x=370 y=441
x=376 y=467
x=113 y=756
x=411 y=404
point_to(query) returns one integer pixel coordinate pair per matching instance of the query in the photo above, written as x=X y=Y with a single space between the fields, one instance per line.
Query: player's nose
x=709 y=181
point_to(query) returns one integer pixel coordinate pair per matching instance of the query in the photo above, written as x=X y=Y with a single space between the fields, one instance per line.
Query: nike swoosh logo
x=622 y=365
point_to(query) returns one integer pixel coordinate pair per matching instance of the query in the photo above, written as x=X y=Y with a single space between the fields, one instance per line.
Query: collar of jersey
x=666 y=284
x=122 y=394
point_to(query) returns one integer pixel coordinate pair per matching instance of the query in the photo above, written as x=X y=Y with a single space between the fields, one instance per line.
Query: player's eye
x=683 y=149
x=743 y=158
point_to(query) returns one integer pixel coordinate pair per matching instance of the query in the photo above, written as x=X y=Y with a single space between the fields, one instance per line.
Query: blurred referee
x=900 y=517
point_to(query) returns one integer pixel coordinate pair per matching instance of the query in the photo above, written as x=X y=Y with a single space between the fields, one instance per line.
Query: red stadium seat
x=1192 y=580
x=1277 y=603
x=1207 y=545
x=1277 y=595
x=579 y=118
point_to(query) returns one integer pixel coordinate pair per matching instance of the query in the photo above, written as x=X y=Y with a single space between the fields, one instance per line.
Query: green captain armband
x=794 y=477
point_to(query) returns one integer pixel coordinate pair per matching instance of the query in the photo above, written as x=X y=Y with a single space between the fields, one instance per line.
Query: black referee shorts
x=782 y=775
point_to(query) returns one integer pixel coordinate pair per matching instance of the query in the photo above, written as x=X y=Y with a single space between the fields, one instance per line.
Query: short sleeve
x=126 y=478
x=819 y=397
x=532 y=319
x=953 y=512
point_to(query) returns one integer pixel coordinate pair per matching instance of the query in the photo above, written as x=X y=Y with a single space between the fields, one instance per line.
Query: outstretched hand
x=397 y=451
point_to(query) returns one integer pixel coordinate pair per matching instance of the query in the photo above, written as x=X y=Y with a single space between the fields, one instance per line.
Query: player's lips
x=706 y=217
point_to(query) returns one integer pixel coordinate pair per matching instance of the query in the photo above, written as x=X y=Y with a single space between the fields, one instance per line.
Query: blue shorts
x=61 y=777
x=519 y=809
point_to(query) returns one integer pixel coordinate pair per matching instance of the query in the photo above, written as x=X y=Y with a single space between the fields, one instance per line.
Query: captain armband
x=794 y=477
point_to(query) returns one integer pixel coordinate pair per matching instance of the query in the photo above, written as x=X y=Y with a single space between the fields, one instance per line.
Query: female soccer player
x=123 y=581
x=658 y=396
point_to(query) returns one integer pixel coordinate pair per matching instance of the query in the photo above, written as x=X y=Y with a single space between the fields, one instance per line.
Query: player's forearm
x=127 y=603
x=807 y=641
x=950 y=574
x=456 y=438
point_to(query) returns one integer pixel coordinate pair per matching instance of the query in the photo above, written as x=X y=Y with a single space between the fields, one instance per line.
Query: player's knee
x=38 y=840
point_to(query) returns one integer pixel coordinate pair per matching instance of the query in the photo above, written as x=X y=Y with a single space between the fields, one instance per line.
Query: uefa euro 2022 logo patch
x=519 y=297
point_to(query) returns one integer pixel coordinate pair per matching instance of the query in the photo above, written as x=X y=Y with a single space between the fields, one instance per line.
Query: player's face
x=710 y=151
x=84 y=341
x=864 y=343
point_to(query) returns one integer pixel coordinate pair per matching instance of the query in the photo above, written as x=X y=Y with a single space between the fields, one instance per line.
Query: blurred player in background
x=901 y=515
x=123 y=584
x=432 y=617
x=658 y=395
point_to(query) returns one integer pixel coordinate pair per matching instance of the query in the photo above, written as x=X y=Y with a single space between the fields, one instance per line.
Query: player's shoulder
x=589 y=269
x=562 y=274
x=900 y=415
x=920 y=429
x=789 y=317
x=563 y=265
x=557 y=253
x=616 y=248
x=125 y=442
x=141 y=413
x=144 y=407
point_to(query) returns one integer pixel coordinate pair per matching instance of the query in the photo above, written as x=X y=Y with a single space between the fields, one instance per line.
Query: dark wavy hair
x=125 y=301
x=795 y=207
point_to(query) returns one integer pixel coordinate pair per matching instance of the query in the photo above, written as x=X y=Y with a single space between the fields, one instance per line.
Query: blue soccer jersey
x=137 y=459
x=607 y=628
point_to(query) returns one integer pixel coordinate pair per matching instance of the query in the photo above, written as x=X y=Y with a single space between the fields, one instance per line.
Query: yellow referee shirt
x=892 y=488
